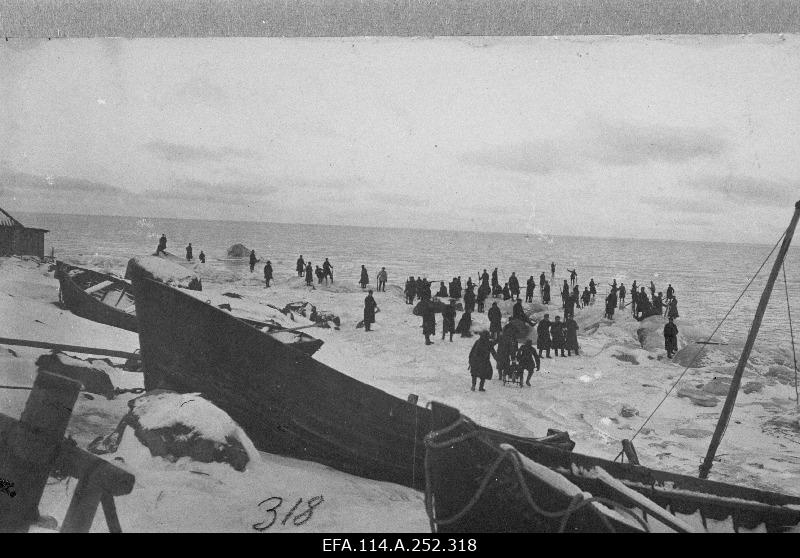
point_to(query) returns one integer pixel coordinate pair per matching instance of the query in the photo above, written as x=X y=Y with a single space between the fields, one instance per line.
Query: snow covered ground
x=584 y=395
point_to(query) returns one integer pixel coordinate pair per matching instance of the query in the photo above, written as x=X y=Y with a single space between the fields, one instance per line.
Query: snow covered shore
x=621 y=365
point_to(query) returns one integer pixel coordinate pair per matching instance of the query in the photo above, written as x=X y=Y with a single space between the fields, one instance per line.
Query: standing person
x=483 y=291
x=513 y=285
x=569 y=307
x=485 y=278
x=449 y=320
x=673 y=308
x=309 y=275
x=189 y=252
x=592 y=288
x=586 y=296
x=320 y=274
x=546 y=294
x=557 y=335
x=543 y=335
x=518 y=312
x=658 y=304
x=253 y=260
x=469 y=300
x=410 y=290
x=480 y=366
x=370 y=307
x=202 y=257
x=571 y=328
x=622 y=296
x=506 y=350
x=529 y=360
x=611 y=304
x=495 y=317
x=301 y=266
x=652 y=290
x=529 y=288
x=442 y=290
x=428 y=321
x=382 y=276
x=634 y=298
x=506 y=292
x=552 y=271
x=364 y=280
x=268 y=273
x=670 y=337
x=670 y=293
x=327 y=269
x=564 y=294
x=573 y=276
x=162 y=245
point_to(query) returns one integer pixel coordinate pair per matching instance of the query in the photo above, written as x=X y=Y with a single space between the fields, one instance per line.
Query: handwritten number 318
x=272 y=511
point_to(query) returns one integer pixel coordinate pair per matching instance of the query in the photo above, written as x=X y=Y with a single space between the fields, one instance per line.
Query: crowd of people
x=500 y=342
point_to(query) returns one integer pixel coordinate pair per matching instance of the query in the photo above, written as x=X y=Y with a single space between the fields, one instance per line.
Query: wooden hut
x=17 y=239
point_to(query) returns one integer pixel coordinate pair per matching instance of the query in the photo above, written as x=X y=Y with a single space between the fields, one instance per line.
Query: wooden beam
x=70 y=348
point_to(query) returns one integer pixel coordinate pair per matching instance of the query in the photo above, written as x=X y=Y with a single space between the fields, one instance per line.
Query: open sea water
x=707 y=276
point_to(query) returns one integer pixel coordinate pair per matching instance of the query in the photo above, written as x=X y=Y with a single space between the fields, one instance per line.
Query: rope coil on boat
x=578 y=501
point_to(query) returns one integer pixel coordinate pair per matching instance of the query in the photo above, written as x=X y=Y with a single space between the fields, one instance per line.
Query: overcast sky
x=654 y=137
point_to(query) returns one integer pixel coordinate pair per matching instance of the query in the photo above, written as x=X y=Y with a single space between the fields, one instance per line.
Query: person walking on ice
x=480 y=366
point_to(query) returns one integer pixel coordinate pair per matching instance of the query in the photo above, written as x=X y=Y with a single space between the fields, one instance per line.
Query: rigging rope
x=791 y=332
x=703 y=347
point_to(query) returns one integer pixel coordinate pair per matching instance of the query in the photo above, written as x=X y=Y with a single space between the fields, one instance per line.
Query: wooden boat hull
x=287 y=402
x=74 y=280
x=455 y=470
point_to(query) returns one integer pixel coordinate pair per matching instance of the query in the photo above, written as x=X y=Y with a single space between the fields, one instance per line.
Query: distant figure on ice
x=189 y=252
x=382 y=277
x=670 y=293
x=301 y=266
x=513 y=285
x=428 y=321
x=592 y=288
x=586 y=297
x=268 y=273
x=573 y=276
x=658 y=304
x=410 y=290
x=543 y=335
x=495 y=317
x=162 y=245
x=571 y=330
x=652 y=290
x=370 y=307
x=670 y=338
x=530 y=286
x=327 y=270
x=483 y=292
x=611 y=304
x=480 y=366
x=464 y=324
x=528 y=360
x=506 y=292
x=506 y=350
x=319 y=273
x=552 y=271
x=442 y=290
x=673 y=308
x=546 y=293
x=202 y=257
x=449 y=320
x=364 y=281
x=557 y=336
x=309 y=275
x=253 y=260
x=622 y=292
x=469 y=299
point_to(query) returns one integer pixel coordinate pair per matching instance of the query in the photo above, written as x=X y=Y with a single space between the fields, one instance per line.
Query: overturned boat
x=287 y=402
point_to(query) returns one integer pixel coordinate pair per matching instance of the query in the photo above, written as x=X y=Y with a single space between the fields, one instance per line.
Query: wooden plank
x=83 y=506
x=70 y=348
x=634 y=498
x=26 y=459
x=98 y=287
x=110 y=511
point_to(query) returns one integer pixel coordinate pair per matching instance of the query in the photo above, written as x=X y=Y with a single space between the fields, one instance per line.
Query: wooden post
x=83 y=506
x=727 y=409
x=29 y=448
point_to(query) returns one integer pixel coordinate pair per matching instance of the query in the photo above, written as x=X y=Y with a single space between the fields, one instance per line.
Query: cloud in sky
x=748 y=190
x=23 y=183
x=184 y=153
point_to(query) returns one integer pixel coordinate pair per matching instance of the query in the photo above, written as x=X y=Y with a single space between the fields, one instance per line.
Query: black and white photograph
x=274 y=284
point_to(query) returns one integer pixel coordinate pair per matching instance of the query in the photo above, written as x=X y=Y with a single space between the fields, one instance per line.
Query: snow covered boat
x=287 y=402
x=96 y=296
x=109 y=300
x=475 y=484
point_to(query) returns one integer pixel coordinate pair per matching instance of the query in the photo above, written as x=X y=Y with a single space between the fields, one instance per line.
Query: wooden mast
x=727 y=409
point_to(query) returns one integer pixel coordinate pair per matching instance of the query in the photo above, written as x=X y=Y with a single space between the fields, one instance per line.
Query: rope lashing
x=791 y=332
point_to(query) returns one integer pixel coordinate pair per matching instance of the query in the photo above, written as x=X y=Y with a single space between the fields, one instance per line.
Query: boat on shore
x=109 y=300
x=475 y=484
x=287 y=402
x=96 y=296
x=547 y=489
